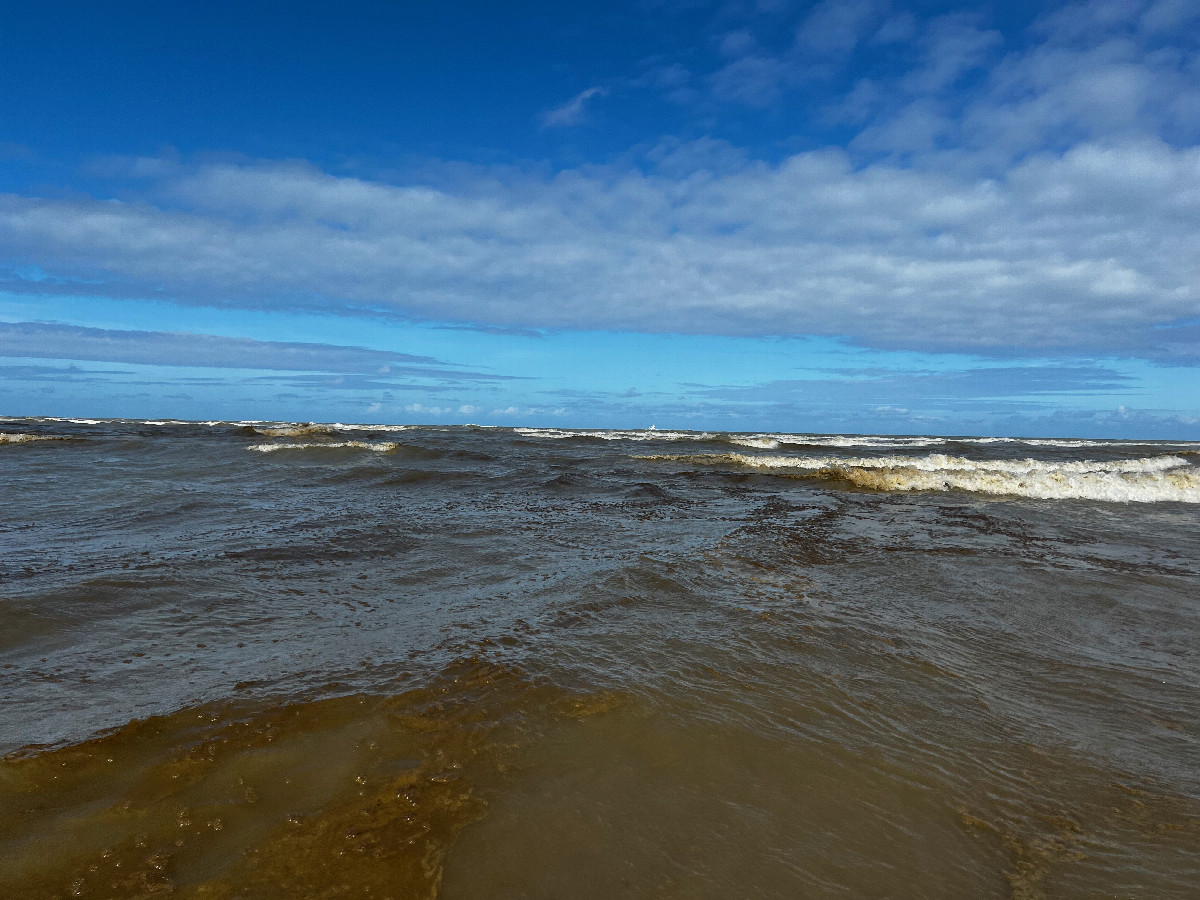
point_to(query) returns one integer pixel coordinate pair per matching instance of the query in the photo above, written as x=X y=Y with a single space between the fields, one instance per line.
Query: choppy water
x=263 y=660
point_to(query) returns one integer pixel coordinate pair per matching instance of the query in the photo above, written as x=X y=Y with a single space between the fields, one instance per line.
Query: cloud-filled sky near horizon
x=845 y=215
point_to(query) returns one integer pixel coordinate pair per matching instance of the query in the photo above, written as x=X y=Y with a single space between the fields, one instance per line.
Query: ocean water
x=272 y=660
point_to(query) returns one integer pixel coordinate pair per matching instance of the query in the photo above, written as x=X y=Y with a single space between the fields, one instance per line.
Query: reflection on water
x=483 y=663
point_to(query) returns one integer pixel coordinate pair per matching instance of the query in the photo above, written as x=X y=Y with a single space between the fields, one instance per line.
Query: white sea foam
x=375 y=446
x=1145 y=480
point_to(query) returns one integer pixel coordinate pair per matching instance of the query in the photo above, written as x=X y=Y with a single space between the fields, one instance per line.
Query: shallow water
x=258 y=659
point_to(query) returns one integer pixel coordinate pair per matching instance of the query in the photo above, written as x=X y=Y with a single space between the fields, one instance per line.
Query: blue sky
x=862 y=215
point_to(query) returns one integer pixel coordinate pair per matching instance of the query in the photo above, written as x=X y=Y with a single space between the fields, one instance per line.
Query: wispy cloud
x=965 y=386
x=36 y=340
x=574 y=111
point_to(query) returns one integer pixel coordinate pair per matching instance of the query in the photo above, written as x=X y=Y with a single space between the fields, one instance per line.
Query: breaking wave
x=375 y=446
x=1147 y=480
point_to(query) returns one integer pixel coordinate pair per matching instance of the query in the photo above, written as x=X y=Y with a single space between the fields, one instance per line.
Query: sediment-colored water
x=264 y=660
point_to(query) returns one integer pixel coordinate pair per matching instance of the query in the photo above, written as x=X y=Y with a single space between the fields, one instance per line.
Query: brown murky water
x=473 y=663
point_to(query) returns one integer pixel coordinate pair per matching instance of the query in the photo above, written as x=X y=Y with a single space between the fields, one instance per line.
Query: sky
x=866 y=216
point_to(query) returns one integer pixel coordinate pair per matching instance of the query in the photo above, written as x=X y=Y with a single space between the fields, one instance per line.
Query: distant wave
x=76 y=421
x=375 y=446
x=1147 y=480
x=758 y=441
x=777 y=440
x=1064 y=443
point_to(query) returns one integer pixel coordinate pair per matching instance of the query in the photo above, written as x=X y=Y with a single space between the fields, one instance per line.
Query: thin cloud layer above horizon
x=766 y=194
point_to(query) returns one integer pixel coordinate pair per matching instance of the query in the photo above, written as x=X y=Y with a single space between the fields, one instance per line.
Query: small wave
x=1146 y=480
x=307 y=429
x=759 y=442
x=648 y=434
x=837 y=441
x=30 y=438
x=863 y=440
x=340 y=426
x=67 y=419
x=297 y=430
x=375 y=446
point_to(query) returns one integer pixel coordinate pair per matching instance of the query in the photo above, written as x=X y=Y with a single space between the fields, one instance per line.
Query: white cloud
x=468 y=410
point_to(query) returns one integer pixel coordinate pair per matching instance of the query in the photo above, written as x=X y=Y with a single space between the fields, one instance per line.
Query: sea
x=268 y=660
